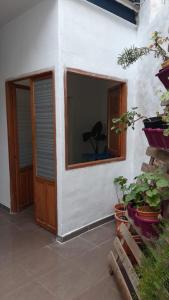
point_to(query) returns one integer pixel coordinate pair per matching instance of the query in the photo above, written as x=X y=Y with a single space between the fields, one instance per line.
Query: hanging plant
x=132 y=54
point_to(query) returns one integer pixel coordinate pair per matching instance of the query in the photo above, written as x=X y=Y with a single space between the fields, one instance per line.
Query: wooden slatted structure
x=118 y=256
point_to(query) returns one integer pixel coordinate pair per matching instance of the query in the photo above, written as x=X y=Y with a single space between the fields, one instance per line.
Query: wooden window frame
x=123 y=109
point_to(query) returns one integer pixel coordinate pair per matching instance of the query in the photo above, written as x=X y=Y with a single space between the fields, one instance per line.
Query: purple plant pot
x=146 y=226
x=156 y=138
x=163 y=75
x=131 y=211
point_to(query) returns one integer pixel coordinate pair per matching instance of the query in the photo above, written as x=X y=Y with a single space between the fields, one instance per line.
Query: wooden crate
x=118 y=257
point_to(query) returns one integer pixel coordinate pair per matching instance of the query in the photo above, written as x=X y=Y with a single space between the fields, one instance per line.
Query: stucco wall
x=27 y=44
x=153 y=17
x=90 y=39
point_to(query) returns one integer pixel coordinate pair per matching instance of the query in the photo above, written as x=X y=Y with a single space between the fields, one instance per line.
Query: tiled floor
x=34 y=266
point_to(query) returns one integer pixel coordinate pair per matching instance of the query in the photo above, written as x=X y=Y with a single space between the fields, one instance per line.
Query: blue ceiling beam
x=117 y=9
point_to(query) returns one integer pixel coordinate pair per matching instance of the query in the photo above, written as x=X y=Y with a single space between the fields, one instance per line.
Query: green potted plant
x=146 y=196
x=120 y=208
x=155 y=190
x=132 y=54
x=120 y=183
x=156 y=128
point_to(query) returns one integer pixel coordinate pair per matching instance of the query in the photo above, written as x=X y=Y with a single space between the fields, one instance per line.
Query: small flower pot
x=120 y=218
x=146 y=213
x=156 y=138
x=131 y=211
x=119 y=208
x=147 y=226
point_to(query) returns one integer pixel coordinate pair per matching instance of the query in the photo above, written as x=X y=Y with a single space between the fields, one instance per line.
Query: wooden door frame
x=12 y=132
x=12 y=145
x=123 y=109
x=123 y=83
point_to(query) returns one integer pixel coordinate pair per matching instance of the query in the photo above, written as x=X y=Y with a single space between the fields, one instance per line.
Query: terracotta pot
x=147 y=227
x=120 y=208
x=146 y=213
x=120 y=218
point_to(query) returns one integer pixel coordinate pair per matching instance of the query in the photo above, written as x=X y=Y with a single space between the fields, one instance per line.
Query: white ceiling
x=10 y=9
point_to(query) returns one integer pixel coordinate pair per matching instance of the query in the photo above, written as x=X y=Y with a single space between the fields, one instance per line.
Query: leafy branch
x=132 y=54
x=127 y=119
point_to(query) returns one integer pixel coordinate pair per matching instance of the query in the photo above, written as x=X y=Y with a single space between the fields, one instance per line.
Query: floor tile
x=11 y=277
x=95 y=262
x=98 y=235
x=74 y=248
x=43 y=261
x=33 y=265
x=68 y=283
x=105 y=289
x=32 y=291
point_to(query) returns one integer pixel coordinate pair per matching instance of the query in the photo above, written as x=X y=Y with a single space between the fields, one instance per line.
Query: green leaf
x=152 y=193
x=162 y=183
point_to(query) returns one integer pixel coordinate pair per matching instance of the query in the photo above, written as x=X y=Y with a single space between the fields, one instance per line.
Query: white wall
x=153 y=17
x=90 y=39
x=27 y=44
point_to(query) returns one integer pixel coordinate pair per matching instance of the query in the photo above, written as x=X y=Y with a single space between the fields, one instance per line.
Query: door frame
x=12 y=132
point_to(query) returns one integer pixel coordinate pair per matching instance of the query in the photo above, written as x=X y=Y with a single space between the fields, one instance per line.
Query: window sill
x=94 y=163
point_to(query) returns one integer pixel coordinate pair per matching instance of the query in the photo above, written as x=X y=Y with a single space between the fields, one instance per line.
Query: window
x=91 y=101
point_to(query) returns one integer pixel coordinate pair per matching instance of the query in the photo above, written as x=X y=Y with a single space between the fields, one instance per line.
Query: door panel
x=44 y=152
x=51 y=192
x=25 y=187
x=40 y=201
x=24 y=142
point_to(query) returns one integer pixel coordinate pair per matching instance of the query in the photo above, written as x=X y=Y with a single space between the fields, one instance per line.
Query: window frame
x=123 y=109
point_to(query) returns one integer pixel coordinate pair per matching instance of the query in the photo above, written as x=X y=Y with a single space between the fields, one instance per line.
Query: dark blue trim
x=117 y=9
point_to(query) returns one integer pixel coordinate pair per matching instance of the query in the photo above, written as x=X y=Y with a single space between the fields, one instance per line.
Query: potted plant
x=132 y=54
x=120 y=208
x=146 y=196
x=95 y=137
x=120 y=182
x=156 y=128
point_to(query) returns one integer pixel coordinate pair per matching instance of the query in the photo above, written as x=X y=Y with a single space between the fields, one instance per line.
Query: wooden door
x=116 y=107
x=43 y=120
x=20 y=146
